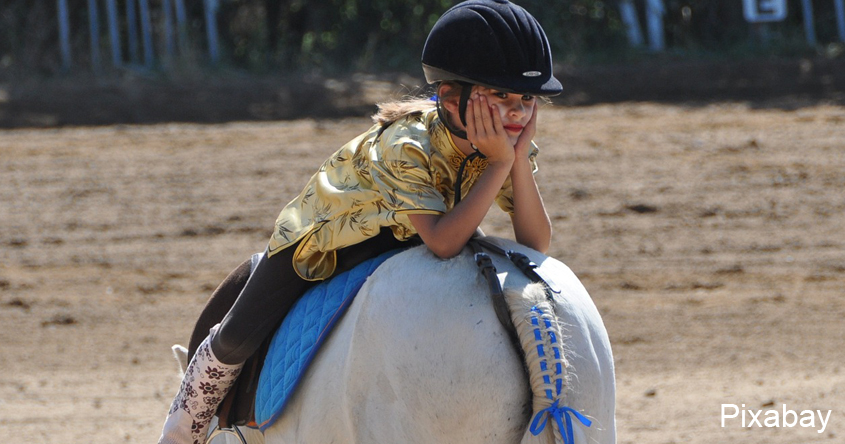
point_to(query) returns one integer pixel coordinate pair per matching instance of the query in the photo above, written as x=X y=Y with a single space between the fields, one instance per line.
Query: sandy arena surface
x=712 y=239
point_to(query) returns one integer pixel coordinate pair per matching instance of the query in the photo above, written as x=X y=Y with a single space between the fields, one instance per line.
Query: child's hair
x=389 y=112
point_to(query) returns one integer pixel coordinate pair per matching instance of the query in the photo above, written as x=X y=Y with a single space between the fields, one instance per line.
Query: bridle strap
x=524 y=263
x=497 y=295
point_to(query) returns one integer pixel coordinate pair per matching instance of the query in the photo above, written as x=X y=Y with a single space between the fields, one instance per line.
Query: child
x=430 y=168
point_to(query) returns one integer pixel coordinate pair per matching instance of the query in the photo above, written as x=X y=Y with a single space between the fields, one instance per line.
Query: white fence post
x=809 y=26
x=628 y=13
x=132 y=31
x=211 y=29
x=146 y=32
x=655 y=11
x=64 y=34
x=114 y=34
x=182 y=26
x=94 y=29
x=840 y=18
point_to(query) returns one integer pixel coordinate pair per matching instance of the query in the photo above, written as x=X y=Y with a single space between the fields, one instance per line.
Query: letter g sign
x=756 y=11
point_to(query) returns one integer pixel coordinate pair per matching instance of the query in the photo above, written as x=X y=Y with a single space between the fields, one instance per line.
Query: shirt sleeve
x=402 y=171
x=505 y=197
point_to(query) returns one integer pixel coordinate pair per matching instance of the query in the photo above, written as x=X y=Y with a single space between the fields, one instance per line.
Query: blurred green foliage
x=369 y=35
x=341 y=36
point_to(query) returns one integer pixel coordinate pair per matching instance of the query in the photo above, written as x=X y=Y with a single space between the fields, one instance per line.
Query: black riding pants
x=270 y=292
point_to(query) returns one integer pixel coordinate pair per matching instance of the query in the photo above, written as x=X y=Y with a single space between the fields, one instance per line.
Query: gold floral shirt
x=373 y=182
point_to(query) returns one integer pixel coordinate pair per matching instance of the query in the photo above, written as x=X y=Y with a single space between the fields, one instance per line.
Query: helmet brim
x=532 y=83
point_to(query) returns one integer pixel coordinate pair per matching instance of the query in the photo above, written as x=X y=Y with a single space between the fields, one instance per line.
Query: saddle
x=238 y=408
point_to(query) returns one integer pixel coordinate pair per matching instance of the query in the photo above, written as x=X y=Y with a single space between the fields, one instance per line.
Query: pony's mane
x=541 y=335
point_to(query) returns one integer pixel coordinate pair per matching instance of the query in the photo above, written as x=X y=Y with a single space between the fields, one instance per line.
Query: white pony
x=420 y=357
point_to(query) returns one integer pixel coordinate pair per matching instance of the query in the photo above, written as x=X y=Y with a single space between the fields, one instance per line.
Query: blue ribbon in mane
x=563 y=417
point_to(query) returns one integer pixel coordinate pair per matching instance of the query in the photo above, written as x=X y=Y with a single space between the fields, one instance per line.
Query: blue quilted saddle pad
x=303 y=330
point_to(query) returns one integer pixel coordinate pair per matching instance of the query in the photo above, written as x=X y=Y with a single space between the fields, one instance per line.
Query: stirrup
x=234 y=430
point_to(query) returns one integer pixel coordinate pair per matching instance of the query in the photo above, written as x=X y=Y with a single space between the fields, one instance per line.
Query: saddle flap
x=303 y=331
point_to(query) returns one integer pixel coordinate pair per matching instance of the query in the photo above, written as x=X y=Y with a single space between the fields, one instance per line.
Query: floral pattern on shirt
x=376 y=180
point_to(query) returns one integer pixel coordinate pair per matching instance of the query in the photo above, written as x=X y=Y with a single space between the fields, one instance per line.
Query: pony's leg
x=205 y=384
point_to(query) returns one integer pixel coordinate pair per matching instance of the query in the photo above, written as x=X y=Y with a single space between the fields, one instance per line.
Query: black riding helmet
x=493 y=43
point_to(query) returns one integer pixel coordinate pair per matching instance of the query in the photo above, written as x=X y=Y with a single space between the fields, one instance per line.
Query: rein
x=488 y=270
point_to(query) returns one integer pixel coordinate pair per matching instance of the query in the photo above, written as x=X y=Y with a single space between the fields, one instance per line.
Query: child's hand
x=485 y=131
x=523 y=145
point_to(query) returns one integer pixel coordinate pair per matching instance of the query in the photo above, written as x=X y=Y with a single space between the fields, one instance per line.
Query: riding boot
x=205 y=384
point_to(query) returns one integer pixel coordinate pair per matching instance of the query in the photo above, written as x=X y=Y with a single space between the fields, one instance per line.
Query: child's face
x=514 y=109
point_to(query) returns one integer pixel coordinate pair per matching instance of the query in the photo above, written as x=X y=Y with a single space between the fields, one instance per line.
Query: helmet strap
x=466 y=91
x=460 y=181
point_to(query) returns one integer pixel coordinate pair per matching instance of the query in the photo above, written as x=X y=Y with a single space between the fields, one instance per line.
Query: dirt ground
x=709 y=235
